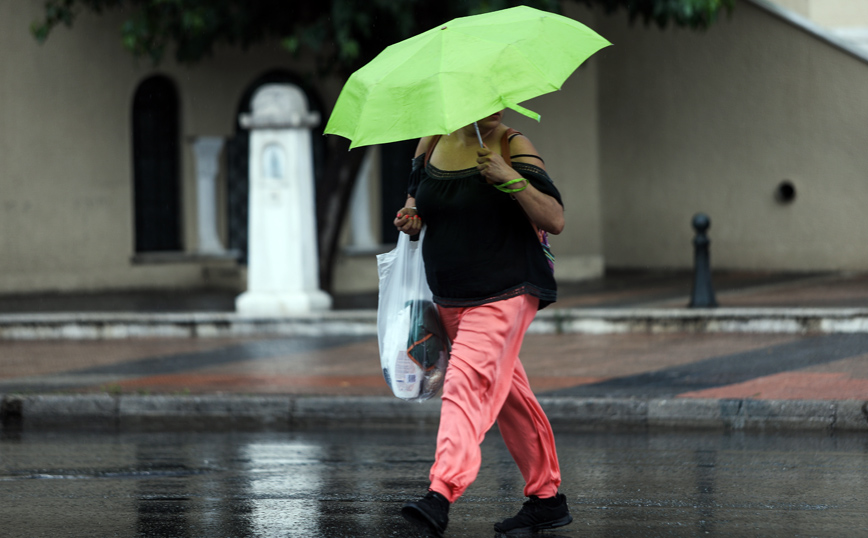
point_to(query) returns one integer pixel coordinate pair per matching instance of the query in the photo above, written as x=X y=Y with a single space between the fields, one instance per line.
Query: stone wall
x=714 y=122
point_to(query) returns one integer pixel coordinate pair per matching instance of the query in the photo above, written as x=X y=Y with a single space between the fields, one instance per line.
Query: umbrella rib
x=542 y=75
x=446 y=121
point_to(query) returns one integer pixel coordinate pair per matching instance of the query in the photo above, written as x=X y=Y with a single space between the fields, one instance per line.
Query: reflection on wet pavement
x=337 y=483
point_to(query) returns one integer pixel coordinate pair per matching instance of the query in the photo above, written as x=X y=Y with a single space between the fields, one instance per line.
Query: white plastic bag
x=414 y=349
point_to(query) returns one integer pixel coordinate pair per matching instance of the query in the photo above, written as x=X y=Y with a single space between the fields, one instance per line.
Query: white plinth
x=283 y=270
x=265 y=304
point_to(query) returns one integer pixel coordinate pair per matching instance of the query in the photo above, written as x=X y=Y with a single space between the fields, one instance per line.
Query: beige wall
x=830 y=13
x=66 y=198
x=713 y=122
x=802 y=7
x=648 y=132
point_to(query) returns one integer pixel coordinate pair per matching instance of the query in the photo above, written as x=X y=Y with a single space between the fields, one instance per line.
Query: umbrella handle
x=479 y=136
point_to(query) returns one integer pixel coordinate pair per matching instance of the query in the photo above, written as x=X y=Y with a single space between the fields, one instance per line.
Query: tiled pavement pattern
x=632 y=365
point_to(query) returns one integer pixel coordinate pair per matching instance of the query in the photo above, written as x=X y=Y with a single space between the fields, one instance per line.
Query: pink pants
x=485 y=382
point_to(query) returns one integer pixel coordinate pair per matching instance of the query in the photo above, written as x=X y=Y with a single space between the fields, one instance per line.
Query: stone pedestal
x=207 y=152
x=283 y=276
x=361 y=235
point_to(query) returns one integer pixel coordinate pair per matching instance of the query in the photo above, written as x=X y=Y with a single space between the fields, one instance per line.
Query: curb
x=97 y=326
x=104 y=411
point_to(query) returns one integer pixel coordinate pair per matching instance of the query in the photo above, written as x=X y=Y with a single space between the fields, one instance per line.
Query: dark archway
x=156 y=166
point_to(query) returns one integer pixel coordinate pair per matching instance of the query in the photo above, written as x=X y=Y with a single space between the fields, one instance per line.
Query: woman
x=489 y=275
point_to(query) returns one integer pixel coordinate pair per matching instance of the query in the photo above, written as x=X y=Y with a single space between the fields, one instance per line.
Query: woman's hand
x=493 y=168
x=408 y=221
x=543 y=210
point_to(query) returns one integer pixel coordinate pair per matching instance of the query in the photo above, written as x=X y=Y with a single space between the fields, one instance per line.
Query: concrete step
x=114 y=325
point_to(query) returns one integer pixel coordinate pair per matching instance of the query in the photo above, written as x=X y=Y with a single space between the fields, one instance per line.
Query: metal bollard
x=703 y=291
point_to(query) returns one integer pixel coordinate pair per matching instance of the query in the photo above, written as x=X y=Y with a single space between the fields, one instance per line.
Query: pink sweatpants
x=485 y=382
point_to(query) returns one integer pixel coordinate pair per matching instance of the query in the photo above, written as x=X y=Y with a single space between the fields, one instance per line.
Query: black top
x=480 y=247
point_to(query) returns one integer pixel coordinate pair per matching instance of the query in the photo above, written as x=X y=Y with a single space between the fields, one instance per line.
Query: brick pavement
x=554 y=363
x=677 y=365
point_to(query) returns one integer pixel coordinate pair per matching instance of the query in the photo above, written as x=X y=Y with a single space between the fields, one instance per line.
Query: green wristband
x=502 y=186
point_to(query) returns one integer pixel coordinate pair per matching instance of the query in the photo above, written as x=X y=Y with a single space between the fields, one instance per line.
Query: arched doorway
x=156 y=166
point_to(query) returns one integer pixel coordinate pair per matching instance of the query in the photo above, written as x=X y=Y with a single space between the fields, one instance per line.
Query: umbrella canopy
x=454 y=74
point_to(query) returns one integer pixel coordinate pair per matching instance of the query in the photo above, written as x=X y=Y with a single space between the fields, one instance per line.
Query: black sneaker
x=430 y=513
x=537 y=514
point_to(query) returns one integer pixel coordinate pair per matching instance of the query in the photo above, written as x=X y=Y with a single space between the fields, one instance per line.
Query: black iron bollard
x=703 y=291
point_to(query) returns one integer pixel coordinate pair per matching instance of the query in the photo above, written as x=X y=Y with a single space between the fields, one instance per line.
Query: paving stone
x=85 y=405
x=851 y=415
x=582 y=412
x=231 y=411
x=386 y=411
x=789 y=414
x=685 y=413
x=89 y=410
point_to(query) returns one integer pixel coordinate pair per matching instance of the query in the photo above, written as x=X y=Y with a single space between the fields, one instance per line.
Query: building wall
x=66 y=201
x=648 y=132
x=713 y=122
x=830 y=13
x=802 y=7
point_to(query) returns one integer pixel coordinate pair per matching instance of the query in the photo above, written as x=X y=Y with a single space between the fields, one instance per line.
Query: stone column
x=207 y=152
x=361 y=235
x=283 y=273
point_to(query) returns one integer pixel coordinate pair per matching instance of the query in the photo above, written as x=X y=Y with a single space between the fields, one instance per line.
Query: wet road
x=336 y=484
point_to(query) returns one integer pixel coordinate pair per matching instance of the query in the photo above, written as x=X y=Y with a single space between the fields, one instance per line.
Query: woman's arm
x=542 y=209
x=408 y=220
x=422 y=146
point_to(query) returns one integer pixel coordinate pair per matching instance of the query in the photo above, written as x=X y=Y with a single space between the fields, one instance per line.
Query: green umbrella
x=452 y=75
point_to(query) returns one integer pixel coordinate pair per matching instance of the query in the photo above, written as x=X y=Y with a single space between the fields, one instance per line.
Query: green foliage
x=696 y=14
x=344 y=34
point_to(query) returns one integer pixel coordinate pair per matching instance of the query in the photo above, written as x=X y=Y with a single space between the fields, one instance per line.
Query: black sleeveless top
x=480 y=247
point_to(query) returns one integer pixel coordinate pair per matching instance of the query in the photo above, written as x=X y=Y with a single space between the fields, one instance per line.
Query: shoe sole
x=421 y=521
x=526 y=531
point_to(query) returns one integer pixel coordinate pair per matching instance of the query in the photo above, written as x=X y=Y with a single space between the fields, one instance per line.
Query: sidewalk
x=782 y=351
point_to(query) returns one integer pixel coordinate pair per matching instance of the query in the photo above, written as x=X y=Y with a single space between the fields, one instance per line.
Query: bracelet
x=502 y=186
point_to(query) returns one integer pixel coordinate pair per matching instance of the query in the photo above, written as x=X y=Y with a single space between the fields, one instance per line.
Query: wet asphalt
x=335 y=483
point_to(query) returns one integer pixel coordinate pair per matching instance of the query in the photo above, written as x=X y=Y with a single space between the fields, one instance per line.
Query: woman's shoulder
x=424 y=144
x=522 y=149
x=515 y=136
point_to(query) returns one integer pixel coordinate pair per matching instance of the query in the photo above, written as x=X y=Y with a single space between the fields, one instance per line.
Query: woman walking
x=489 y=274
